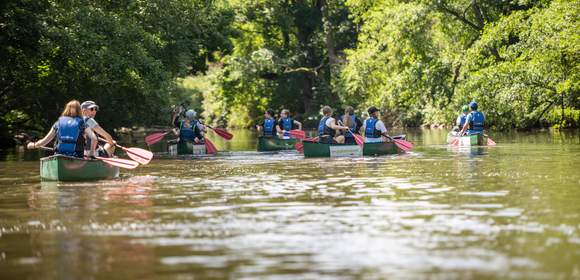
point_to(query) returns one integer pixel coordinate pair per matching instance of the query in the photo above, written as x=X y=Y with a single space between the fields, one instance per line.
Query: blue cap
x=473 y=105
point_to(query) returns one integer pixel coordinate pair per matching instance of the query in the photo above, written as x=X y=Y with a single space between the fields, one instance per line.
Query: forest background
x=418 y=60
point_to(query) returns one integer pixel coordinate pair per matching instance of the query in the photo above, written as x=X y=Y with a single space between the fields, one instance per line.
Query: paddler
x=328 y=128
x=474 y=121
x=460 y=122
x=70 y=133
x=268 y=126
x=89 y=111
x=286 y=123
x=189 y=128
x=374 y=129
x=350 y=120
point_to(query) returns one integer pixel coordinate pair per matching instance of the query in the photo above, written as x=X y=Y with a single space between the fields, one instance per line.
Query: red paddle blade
x=490 y=142
x=358 y=139
x=455 y=141
x=119 y=162
x=139 y=155
x=299 y=147
x=223 y=133
x=298 y=134
x=407 y=146
x=401 y=145
x=210 y=147
x=154 y=138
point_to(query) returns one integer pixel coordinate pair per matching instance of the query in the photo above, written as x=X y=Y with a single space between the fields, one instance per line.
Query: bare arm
x=42 y=142
x=100 y=131
x=299 y=124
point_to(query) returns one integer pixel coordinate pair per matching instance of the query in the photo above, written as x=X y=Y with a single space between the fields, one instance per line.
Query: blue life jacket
x=352 y=127
x=476 y=122
x=189 y=132
x=287 y=124
x=323 y=129
x=462 y=120
x=370 y=128
x=69 y=137
x=269 y=127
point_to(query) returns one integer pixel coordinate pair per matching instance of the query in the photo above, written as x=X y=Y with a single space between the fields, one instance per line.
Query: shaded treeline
x=419 y=60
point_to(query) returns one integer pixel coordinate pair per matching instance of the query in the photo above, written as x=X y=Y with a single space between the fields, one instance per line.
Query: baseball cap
x=89 y=105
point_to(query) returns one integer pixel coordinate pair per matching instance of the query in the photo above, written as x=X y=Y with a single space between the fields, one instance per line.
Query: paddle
x=300 y=147
x=119 y=162
x=357 y=138
x=139 y=155
x=490 y=142
x=298 y=134
x=210 y=147
x=222 y=132
x=155 y=137
x=403 y=144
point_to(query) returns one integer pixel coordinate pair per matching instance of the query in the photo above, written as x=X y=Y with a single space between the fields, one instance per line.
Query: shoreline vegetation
x=418 y=61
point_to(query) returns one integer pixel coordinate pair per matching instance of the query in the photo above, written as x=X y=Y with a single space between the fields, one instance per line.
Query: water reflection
x=505 y=212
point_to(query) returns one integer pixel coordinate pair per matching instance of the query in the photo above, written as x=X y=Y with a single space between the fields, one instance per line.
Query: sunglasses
x=93 y=109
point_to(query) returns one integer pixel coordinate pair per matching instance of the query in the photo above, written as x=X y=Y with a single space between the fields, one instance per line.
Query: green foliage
x=125 y=55
x=419 y=60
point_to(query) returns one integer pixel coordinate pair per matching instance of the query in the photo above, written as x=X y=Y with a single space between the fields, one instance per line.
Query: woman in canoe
x=374 y=129
x=70 y=133
x=268 y=127
x=286 y=123
x=350 y=120
x=327 y=128
x=190 y=129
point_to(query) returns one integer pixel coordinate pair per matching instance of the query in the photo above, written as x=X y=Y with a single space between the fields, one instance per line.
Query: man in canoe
x=374 y=129
x=460 y=122
x=353 y=122
x=474 y=121
x=189 y=128
x=268 y=126
x=287 y=123
x=70 y=133
x=327 y=128
x=89 y=111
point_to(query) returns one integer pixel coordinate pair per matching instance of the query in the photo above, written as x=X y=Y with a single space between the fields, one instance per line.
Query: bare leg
x=339 y=139
x=110 y=149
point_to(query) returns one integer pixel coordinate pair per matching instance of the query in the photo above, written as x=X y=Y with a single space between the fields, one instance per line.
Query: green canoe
x=315 y=149
x=65 y=168
x=275 y=144
x=467 y=140
x=187 y=148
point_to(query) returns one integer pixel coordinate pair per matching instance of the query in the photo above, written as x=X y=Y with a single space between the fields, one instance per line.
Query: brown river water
x=506 y=212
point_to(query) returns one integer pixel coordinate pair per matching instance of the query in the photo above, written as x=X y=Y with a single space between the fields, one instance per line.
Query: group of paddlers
x=330 y=129
x=342 y=130
x=76 y=133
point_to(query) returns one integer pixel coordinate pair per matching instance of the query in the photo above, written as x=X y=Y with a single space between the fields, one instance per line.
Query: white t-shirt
x=91 y=123
x=330 y=121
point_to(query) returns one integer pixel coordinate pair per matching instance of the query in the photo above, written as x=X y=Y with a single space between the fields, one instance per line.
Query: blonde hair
x=68 y=109
x=326 y=110
x=347 y=119
x=286 y=111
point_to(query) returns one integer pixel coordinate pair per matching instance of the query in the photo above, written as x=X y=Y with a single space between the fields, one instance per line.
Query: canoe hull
x=187 y=148
x=266 y=144
x=64 y=168
x=467 y=140
x=315 y=149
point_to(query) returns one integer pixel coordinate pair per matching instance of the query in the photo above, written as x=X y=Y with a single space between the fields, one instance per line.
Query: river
x=506 y=212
